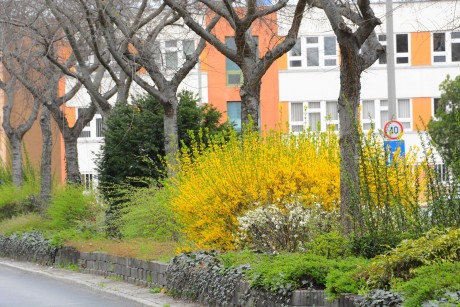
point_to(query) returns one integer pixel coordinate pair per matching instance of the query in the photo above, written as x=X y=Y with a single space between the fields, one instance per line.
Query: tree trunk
x=45 y=125
x=71 y=155
x=16 y=157
x=171 y=133
x=250 y=102
x=350 y=87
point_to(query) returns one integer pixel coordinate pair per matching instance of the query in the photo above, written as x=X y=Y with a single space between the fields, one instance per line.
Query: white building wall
x=307 y=84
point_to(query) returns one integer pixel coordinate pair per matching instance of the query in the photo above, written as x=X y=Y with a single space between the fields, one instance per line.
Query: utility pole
x=390 y=51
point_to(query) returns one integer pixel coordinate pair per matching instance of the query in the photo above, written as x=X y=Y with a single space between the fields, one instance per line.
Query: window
x=233 y=71
x=314 y=115
x=402 y=49
x=234 y=114
x=156 y=53
x=314 y=51
x=171 y=57
x=404 y=112
x=384 y=118
x=383 y=41
x=332 y=115
x=296 y=112
x=446 y=47
x=368 y=109
x=330 y=51
x=171 y=60
x=436 y=106
x=99 y=126
x=368 y=116
x=442 y=172
x=455 y=45
x=85 y=134
x=80 y=112
x=295 y=54
x=87 y=181
x=171 y=44
x=439 y=47
x=188 y=47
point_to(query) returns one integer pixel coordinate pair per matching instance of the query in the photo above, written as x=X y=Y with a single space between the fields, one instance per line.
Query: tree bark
x=45 y=125
x=250 y=101
x=16 y=157
x=350 y=87
x=358 y=50
x=170 y=132
x=71 y=156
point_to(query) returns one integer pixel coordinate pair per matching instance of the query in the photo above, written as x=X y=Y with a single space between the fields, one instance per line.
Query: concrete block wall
x=144 y=273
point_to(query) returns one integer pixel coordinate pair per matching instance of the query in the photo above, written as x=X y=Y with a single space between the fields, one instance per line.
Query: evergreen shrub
x=399 y=263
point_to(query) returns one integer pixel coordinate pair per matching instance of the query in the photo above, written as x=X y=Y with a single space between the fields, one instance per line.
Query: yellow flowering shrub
x=388 y=183
x=391 y=192
x=218 y=183
x=233 y=174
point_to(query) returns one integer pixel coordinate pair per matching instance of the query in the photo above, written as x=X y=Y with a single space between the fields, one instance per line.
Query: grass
x=22 y=223
x=155 y=290
x=143 y=249
x=70 y=266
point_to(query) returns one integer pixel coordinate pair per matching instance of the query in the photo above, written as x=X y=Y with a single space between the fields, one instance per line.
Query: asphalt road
x=24 y=289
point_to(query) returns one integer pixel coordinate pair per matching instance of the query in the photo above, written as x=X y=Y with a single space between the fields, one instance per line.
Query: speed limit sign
x=393 y=130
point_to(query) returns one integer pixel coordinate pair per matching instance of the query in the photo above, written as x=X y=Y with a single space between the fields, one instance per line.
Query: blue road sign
x=393 y=146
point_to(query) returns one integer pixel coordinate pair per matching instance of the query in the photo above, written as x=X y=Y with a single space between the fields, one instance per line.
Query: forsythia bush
x=218 y=183
x=234 y=174
x=384 y=182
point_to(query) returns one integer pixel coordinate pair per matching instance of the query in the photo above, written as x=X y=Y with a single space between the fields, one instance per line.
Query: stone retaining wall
x=145 y=273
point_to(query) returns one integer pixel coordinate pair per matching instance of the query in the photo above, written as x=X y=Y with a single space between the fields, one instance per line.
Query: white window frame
x=380 y=123
x=433 y=109
x=405 y=120
x=444 y=53
x=396 y=54
x=365 y=120
x=322 y=57
x=307 y=110
x=377 y=121
x=448 y=48
x=403 y=54
x=90 y=130
x=89 y=181
x=292 y=58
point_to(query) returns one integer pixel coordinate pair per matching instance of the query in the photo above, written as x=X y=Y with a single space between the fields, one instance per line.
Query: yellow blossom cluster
x=218 y=183
x=385 y=181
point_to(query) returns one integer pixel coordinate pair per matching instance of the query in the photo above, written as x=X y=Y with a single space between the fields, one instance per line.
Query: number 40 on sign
x=393 y=130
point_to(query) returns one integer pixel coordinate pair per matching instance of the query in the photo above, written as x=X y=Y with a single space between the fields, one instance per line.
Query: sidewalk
x=101 y=284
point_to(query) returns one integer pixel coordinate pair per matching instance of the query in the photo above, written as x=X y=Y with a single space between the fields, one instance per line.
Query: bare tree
x=45 y=165
x=132 y=35
x=359 y=49
x=242 y=16
x=16 y=133
x=43 y=77
x=84 y=46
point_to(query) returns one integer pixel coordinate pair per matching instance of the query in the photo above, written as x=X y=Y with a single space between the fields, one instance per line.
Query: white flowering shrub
x=281 y=227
